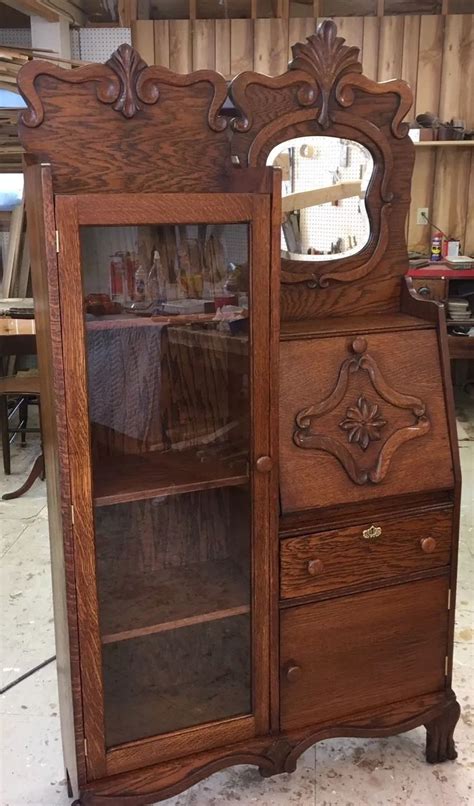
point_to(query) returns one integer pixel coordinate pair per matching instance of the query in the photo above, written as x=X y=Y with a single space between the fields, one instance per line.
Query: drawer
x=431 y=288
x=343 y=656
x=381 y=550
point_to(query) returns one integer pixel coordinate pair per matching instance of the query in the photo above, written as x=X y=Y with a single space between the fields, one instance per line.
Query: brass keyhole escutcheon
x=428 y=545
x=315 y=567
x=372 y=533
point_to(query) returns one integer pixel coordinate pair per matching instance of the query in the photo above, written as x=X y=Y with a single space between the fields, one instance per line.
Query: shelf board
x=136 y=477
x=170 y=599
x=445 y=143
x=464 y=323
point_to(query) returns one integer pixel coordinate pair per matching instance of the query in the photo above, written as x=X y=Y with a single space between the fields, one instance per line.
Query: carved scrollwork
x=369 y=418
x=325 y=57
x=125 y=81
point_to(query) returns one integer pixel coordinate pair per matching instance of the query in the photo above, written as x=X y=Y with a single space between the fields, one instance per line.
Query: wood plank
x=451 y=189
x=419 y=235
x=271 y=46
x=411 y=42
x=143 y=39
x=141 y=476
x=430 y=58
x=222 y=45
x=467 y=244
x=241 y=46
x=204 y=45
x=14 y=247
x=390 y=48
x=170 y=598
x=299 y=28
x=457 y=75
x=161 y=32
x=351 y=29
x=370 y=46
x=180 y=46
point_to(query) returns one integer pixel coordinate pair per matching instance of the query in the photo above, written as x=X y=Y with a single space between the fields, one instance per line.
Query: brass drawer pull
x=315 y=567
x=428 y=544
x=372 y=533
x=293 y=672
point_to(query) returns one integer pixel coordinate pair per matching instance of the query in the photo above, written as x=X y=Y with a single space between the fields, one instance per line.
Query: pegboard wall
x=15 y=37
x=98 y=44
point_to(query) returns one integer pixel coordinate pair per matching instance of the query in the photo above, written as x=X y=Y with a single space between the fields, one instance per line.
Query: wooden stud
x=143 y=39
x=430 y=58
x=204 y=45
x=370 y=46
x=161 y=30
x=222 y=46
x=241 y=46
x=411 y=38
x=390 y=51
x=127 y=12
x=180 y=46
x=271 y=46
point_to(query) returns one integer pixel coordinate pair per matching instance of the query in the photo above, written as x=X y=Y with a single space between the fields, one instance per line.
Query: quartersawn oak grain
x=158 y=149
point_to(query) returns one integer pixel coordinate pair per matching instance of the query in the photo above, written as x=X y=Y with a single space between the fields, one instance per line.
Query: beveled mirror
x=324 y=183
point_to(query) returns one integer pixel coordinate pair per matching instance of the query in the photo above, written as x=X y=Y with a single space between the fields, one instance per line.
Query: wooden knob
x=428 y=544
x=264 y=464
x=293 y=672
x=315 y=567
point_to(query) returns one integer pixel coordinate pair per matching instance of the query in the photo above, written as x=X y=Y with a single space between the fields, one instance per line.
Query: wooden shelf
x=172 y=598
x=464 y=323
x=135 y=477
x=445 y=144
x=126 y=320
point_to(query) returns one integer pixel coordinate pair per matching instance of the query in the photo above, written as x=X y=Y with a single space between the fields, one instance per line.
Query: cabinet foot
x=439 y=734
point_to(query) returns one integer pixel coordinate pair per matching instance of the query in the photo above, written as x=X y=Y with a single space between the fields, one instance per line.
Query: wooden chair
x=22 y=386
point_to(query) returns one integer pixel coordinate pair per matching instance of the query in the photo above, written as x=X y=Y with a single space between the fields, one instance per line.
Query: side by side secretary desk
x=252 y=467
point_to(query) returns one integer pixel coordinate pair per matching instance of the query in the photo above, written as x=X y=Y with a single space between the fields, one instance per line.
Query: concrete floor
x=343 y=772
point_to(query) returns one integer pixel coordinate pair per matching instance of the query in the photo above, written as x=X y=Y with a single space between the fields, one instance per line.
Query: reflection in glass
x=324 y=184
x=167 y=328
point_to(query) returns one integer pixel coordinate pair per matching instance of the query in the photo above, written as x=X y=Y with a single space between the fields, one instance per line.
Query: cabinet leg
x=439 y=734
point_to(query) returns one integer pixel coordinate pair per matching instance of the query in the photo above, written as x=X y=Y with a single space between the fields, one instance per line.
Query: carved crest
x=325 y=57
x=127 y=63
x=363 y=423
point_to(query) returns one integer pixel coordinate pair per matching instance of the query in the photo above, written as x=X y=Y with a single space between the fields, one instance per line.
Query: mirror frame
x=324 y=92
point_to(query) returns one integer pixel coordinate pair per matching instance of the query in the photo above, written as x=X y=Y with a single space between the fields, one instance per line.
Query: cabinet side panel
x=41 y=235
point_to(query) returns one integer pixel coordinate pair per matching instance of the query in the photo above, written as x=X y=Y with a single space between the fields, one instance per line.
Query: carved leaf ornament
x=362 y=422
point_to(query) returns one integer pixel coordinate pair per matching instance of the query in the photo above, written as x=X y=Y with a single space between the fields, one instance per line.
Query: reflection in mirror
x=324 y=184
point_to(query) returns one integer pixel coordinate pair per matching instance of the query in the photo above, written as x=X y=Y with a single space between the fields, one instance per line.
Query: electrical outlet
x=420 y=215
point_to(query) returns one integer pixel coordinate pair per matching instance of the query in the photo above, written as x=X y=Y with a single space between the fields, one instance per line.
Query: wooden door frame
x=102 y=209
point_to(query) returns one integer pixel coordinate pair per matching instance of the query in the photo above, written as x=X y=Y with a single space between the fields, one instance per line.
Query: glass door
x=168 y=316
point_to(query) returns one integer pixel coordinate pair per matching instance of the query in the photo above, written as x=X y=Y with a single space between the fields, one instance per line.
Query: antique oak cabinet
x=253 y=478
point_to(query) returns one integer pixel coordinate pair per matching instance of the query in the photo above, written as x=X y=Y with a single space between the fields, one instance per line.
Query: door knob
x=315 y=567
x=293 y=672
x=264 y=464
x=428 y=545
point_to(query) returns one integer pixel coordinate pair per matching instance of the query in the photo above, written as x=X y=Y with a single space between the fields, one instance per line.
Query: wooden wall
x=434 y=53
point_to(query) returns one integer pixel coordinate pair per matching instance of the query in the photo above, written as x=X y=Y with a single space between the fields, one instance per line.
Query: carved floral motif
x=127 y=64
x=362 y=420
x=363 y=423
x=325 y=57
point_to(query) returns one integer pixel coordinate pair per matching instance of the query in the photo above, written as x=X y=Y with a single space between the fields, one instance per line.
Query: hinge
x=57 y=241
x=446 y=664
x=449 y=599
x=72 y=514
x=85 y=747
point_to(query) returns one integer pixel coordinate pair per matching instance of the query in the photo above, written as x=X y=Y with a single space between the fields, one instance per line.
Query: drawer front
x=431 y=288
x=342 y=656
x=380 y=550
